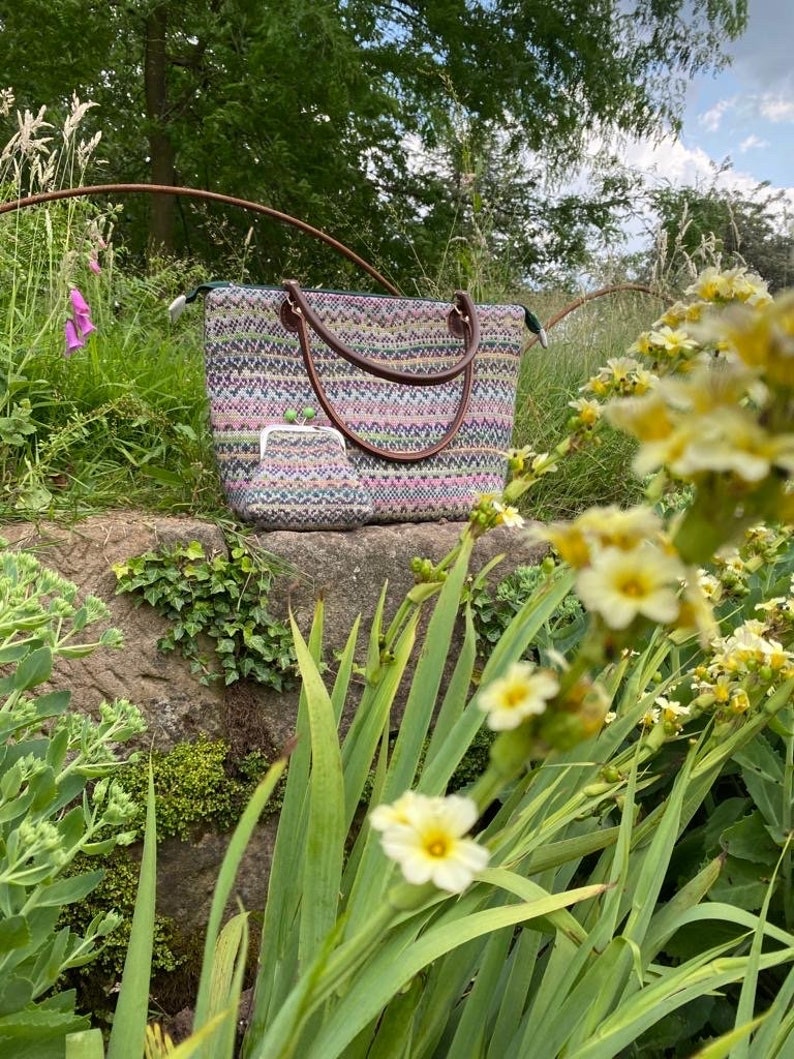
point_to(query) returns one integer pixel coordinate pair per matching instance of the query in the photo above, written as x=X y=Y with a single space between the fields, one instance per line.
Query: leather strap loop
x=464 y=324
x=302 y=329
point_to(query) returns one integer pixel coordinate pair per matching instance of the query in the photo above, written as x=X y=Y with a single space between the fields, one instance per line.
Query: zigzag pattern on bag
x=255 y=373
x=306 y=482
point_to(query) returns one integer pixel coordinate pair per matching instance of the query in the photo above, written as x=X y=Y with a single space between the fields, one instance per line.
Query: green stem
x=786 y=867
x=334 y=971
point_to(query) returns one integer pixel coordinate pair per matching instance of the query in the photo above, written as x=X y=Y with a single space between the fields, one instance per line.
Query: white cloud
x=669 y=160
x=711 y=119
x=752 y=142
x=776 y=107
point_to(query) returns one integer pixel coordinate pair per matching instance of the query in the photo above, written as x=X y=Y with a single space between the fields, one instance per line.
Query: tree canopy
x=349 y=113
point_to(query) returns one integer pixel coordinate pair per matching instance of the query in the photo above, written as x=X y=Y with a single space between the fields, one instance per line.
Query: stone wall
x=347 y=569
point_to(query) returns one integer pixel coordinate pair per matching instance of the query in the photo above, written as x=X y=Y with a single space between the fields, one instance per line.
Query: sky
x=745 y=113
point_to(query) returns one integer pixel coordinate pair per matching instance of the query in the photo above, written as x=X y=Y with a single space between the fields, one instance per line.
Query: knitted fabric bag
x=422 y=393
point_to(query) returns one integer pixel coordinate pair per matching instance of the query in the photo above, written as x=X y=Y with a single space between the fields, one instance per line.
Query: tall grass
x=121 y=421
x=126 y=422
x=550 y=378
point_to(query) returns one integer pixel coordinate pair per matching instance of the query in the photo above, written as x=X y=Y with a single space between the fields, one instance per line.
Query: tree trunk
x=161 y=148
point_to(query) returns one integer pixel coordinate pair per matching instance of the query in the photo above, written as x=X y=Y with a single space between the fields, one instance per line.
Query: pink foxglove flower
x=81 y=312
x=84 y=325
x=73 y=339
x=79 y=305
x=94 y=264
x=79 y=325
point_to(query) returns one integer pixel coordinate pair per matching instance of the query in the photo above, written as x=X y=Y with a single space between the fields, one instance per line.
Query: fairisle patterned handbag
x=330 y=410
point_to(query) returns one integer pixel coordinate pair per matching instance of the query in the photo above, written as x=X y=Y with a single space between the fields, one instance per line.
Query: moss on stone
x=197 y=787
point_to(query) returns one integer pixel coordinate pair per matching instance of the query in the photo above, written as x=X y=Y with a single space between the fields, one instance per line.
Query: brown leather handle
x=208 y=196
x=463 y=323
x=298 y=323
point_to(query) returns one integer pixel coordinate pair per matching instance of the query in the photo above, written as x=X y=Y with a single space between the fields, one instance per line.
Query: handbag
x=330 y=410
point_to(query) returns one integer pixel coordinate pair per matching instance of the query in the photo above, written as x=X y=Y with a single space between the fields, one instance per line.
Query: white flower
x=522 y=692
x=623 y=585
x=425 y=837
x=709 y=585
x=507 y=516
x=383 y=817
x=671 y=712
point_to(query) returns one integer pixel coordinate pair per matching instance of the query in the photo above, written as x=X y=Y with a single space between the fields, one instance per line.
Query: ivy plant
x=217 y=598
x=494 y=609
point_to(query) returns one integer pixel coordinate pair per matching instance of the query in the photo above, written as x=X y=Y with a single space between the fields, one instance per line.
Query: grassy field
x=550 y=378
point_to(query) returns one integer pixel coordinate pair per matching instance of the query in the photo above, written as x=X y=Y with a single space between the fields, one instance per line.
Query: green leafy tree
x=751 y=228
x=320 y=107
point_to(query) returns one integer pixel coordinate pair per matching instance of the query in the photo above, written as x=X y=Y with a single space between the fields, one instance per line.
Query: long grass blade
x=391 y=970
x=724 y=1045
x=693 y=979
x=132 y=1010
x=325 y=833
x=278 y=954
x=745 y=1009
x=458 y=689
x=341 y=686
x=778 y=1023
x=205 y=1008
x=372 y=719
x=427 y=678
x=231 y=954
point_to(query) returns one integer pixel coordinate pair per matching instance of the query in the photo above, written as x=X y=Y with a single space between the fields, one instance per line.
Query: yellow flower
x=671 y=712
x=733 y=284
x=730 y=439
x=651 y=717
x=762 y=338
x=516 y=458
x=709 y=585
x=696 y=610
x=740 y=701
x=567 y=540
x=522 y=692
x=623 y=585
x=643 y=345
x=671 y=342
x=588 y=412
x=616 y=527
x=646 y=418
x=429 y=845
x=681 y=313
